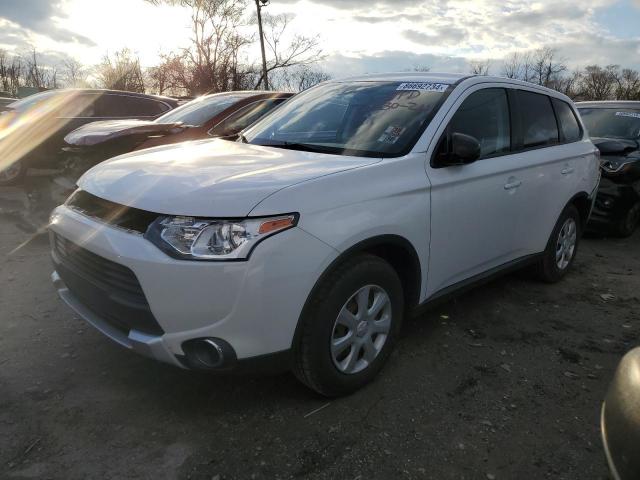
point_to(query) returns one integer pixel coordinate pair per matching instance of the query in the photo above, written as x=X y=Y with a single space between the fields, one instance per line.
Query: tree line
x=215 y=60
x=545 y=67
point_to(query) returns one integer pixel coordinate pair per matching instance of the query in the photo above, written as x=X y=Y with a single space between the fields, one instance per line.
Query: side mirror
x=461 y=150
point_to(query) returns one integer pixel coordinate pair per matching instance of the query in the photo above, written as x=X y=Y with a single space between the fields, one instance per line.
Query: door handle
x=567 y=170
x=512 y=185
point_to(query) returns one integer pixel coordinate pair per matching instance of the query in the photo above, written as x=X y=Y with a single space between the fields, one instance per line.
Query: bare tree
x=547 y=66
x=38 y=75
x=297 y=79
x=299 y=51
x=567 y=84
x=598 y=83
x=121 y=71
x=479 y=67
x=74 y=74
x=628 y=85
x=519 y=66
x=11 y=72
x=211 y=62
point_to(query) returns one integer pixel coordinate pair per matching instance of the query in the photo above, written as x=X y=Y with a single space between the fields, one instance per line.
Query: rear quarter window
x=539 y=127
x=569 y=127
x=111 y=105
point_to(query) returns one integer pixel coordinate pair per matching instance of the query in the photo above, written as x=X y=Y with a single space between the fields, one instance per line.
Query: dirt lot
x=505 y=382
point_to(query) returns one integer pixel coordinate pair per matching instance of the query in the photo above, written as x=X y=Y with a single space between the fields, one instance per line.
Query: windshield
x=612 y=122
x=31 y=100
x=355 y=118
x=200 y=110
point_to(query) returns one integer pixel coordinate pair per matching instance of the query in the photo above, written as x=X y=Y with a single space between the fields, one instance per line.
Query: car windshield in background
x=612 y=122
x=355 y=118
x=199 y=111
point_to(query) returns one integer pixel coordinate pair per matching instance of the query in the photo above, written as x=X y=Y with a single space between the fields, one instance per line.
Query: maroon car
x=221 y=115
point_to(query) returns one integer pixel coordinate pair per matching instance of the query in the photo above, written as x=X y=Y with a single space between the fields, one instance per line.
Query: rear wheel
x=561 y=248
x=349 y=327
x=628 y=224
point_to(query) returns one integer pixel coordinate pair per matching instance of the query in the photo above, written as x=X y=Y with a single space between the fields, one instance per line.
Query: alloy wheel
x=566 y=243
x=10 y=173
x=361 y=329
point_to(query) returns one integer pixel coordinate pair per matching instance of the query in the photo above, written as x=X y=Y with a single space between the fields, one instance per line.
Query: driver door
x=474 y=207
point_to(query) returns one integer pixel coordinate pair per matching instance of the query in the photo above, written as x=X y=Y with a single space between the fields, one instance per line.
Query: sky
x=357 y=36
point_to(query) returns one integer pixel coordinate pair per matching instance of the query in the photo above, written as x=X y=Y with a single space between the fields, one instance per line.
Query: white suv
x=306 y=242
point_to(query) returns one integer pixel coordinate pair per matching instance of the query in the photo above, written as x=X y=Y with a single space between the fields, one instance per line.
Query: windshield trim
x=319 y=148
x=373 y=154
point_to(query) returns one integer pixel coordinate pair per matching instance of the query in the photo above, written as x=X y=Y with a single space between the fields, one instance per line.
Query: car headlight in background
x=215 y=239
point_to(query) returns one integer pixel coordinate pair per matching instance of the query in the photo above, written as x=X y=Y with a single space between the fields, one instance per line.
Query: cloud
x=441 y=36
x=339 y=65
x=39 y=17
x=389 y=18
x=360 y=4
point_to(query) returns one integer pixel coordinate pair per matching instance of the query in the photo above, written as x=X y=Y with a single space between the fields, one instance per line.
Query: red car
x=221 y=115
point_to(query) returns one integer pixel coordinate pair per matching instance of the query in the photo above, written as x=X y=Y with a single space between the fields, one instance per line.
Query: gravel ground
x=504 y=382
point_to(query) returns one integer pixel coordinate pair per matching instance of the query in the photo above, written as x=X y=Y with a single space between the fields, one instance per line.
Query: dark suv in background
x=32 y=130
x=614 y=127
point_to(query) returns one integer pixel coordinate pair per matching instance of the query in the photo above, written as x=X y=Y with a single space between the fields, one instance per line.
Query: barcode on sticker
x=628 y=114
x=423 y=86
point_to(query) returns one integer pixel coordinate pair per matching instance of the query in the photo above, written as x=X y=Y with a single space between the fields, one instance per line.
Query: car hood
x=104 y=131
x=615 y=146
x=208 y=178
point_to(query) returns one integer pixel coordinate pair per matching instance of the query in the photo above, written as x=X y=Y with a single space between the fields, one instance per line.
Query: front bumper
x=144 y=344
x=254 y=306
x=612 y=203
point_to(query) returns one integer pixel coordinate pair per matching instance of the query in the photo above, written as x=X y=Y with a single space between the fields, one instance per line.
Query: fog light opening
x=205 y=353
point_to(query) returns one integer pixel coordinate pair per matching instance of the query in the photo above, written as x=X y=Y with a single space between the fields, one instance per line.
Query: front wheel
x=628 y=224
x=561 y=248
x=12 y=174
x=349 y=326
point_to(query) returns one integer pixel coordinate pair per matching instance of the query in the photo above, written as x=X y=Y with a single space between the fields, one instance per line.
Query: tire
x=628 y=224
x=334 y=371
x=13 y=174
x=550 y=268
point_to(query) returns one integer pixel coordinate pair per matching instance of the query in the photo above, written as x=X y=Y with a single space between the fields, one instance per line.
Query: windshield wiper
x=308 y=147
x=242 y=139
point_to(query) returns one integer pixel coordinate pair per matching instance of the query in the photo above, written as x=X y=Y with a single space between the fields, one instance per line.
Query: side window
x=78 y=105
x=539 y=127
x=244 y=117
x=569 y=127
x=485 y=116
x=112 y=105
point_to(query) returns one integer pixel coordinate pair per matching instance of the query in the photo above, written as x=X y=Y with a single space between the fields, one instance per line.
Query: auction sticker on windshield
x=423 y=86
x=628 y=114
x=391 y=134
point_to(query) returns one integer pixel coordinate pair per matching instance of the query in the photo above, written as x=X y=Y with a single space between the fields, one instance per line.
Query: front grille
x=109 y=289
x=112 y=213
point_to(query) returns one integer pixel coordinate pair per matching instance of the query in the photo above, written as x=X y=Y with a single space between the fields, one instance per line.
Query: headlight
x=212 y=239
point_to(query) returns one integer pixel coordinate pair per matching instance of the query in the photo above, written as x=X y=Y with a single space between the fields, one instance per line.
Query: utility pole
x=259 y=5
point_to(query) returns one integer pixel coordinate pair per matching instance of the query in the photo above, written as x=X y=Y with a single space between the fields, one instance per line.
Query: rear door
x=77 y=110
x=474 y=206
x=546 y=130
